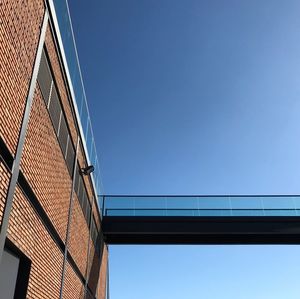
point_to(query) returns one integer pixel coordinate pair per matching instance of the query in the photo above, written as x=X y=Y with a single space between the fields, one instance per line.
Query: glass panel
x=214 y=202
x=205 y=206
x=248 y=212
x=280 y=213
x=239 y=202
x=278 y=202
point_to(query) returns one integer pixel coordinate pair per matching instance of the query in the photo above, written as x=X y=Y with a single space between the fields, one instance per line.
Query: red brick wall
x=29 y=234
x=79 y=235
x=20 y=22
x=93 y=269
x=4 y=180
x=44 y=166
x=73 y=288
x=102 y=280
x=42 y=162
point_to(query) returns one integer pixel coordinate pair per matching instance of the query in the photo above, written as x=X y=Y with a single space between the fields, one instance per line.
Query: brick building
x=51 y=244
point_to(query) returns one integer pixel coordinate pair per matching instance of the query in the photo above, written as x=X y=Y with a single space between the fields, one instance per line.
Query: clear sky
x=195 y=97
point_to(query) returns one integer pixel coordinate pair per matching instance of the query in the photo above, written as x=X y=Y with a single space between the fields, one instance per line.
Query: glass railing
x=250 y=205
x=77 y=88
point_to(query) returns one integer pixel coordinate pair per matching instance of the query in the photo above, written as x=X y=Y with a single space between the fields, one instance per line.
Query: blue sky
x=195 y=97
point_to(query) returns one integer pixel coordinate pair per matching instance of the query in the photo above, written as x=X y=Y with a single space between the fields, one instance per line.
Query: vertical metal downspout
x=69 y=221
x=22 y=135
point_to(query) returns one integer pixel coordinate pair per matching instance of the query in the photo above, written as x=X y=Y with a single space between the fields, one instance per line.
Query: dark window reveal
x=55 y=109
x=63 y=135
x=14 y=272
x=44 y=78
x=70 y=157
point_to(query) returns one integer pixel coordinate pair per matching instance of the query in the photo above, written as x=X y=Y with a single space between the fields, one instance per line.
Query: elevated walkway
x=201 y=219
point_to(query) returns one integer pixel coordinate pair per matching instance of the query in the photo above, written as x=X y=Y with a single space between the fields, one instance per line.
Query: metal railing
x=235 y=205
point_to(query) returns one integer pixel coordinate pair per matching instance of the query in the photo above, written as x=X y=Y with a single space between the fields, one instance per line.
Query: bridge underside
x=201 y=230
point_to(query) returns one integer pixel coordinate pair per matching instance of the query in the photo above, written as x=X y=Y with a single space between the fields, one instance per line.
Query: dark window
x=77 y=179
x=70 y=157
x=94 y=231
x=44 y=78
x=87 y=210
x=82 y=197
x=83 y=203
x=14 y=273
x=8 y=274
x=63 y=135
x=80 y=190
x=55 y=109
x=95 y=236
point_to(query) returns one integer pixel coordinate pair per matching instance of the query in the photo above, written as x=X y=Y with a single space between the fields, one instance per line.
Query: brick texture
x=73 y=288
x=44 y=166
x=29 y=234
x=79 y=235
x=4 y=180
x=102 y=280
x=20 y=23
x=93 y=269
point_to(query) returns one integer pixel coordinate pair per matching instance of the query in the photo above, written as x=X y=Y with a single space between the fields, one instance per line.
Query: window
x=55 y=109
x=70 y=157
x=44 y=78
x=82 y=195
x=63 y=135
x=14 y=273
x=52 y=100
x=77 y=181
x=8 y=274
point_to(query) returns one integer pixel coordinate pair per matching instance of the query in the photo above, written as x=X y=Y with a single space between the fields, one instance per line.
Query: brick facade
x=79 y=237
x=44 y=166
x=39 y=215
x=4 y=180
x=30 y=235
x=103 y=271
x=20 y=23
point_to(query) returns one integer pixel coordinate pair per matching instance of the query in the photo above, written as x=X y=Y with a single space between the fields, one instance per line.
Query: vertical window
x=76 y=183
x=63 y=135
x=70 y=157
x=8 y=274
x=45 y=78
x=55 y=109
x=14 y=273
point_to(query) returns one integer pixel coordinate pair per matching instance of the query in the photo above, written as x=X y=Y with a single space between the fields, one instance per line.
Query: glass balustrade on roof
x=77 y=88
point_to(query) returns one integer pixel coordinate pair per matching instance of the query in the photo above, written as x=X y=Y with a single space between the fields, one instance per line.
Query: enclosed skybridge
x=201 y=219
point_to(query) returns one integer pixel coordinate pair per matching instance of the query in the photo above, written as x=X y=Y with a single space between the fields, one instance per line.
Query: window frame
x=23 y=270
